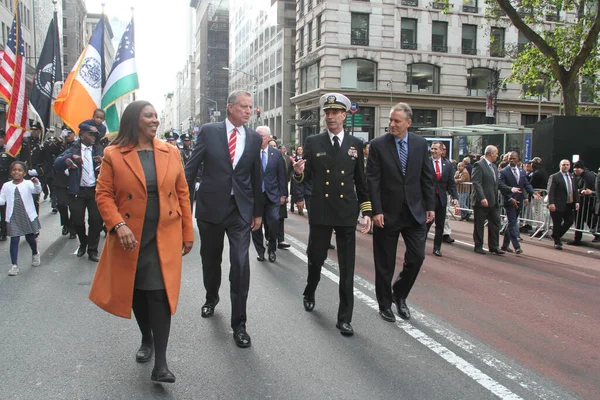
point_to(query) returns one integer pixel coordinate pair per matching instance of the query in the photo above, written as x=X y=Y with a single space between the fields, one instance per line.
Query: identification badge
x=321 y=154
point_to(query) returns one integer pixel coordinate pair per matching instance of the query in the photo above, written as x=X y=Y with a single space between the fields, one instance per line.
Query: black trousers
x=62 y=204
x=440 y=220
x=562 y=221
x=492 y=215
x=86 y=200
x=319 y=238
x=270 y=221
x=385 y=246
x=211 y=250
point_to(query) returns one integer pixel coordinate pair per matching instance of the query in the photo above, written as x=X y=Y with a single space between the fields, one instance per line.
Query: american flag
x=13 y=86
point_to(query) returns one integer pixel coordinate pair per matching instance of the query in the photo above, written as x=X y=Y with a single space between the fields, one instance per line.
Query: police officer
x=186 y=149
x=171 y=137
x=33 y=155
x=5 y=161
x=333 y=163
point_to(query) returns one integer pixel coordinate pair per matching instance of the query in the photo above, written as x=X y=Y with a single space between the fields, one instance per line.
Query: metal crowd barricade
x=586 y=216
x=464 y=209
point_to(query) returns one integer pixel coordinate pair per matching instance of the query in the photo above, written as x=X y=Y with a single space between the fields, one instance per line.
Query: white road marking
x=448 y=355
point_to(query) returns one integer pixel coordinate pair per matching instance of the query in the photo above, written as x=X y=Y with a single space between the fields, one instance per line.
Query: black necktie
x=336 y=145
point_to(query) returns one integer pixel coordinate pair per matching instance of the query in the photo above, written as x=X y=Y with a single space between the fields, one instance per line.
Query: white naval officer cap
x=335 y=101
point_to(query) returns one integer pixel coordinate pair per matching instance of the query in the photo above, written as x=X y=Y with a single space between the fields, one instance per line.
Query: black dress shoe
x=208 y=309
x=65 y=230
x=81 y=250
x=387 y=315
x=497 y=251
x=447 y=239
x=479 y=250
x=437 y=253
x=260 y=257
x=558 y=246
x=518 y=251
x=242 y=339
x=403 y=310
x=345 y=328
x=283 y=245
x=309 y=304
x=162 y=375
x=506 y=249
x=144 y=353
x=93 y=257
x=272 y=257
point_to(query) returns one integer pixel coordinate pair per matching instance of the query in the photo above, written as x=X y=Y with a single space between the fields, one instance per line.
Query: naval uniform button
x=327 y=171
x=341 y=196
x=342 y=172
x=342 y=183
x=326 y=195
x=327 y=183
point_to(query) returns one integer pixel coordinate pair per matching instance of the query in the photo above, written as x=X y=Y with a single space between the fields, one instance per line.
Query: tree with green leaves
x=567 y=52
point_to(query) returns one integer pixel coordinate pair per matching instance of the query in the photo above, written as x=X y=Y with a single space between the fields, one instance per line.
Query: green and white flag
x=122 y=79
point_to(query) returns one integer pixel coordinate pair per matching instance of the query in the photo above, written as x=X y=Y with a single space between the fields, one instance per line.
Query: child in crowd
x=21 y=217
x=96 y=124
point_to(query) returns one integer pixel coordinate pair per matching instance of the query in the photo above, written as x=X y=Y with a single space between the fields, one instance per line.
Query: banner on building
x=489 y=104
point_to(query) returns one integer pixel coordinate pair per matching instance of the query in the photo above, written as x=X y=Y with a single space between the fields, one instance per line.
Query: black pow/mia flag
x=48 y=70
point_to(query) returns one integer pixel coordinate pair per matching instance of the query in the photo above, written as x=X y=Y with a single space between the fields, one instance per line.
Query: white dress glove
x=32 y=172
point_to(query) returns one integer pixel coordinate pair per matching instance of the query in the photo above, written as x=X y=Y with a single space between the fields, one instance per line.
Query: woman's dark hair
x=128 y=127
x=21 y=163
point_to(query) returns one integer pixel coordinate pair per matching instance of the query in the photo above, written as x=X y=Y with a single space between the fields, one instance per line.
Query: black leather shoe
x=387 y=315
x=260 y=257
x=208 y=309
x=242 y=339
x=403 y=310
x=144 y=353
x=272 y=257
x=518 y=251
x=345 y=328
x=497 y=251
x=65 y=231
x=81 y=250
x=447 y=239
x=437 y=253
x=479 y=250
x=506 y=249
x=309 y=304
x=93 y=257
x=283 y=245
x=558 y=246
x=162 y=375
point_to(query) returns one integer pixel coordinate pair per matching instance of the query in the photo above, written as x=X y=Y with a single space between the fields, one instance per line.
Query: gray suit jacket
x=219 y=178
x=485 y=186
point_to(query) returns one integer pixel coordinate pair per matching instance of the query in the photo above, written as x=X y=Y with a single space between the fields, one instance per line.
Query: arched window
x=358 y=73
x=423 y=78
x=479 y=80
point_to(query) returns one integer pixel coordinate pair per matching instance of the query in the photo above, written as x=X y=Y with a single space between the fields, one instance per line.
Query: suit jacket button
x=127 y=215
x=326 y=195
x=327 y=171
x=341 y=196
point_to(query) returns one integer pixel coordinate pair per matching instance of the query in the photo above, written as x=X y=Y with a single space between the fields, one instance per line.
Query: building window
x=497 y=42
x=301 y=40
x=309 y=78
x=64 y=22
x=588 y=89
x=359 y=31
x=318 y=34
x=522 y=43
x=424 y=119
x=408 y=34
x=469 y=39
x=310 y=36
x=476 y=118
x=470 y=6
x=439 y=37
x=359 y=74
x=423 y=78
x=65 y=42
x=479 y=80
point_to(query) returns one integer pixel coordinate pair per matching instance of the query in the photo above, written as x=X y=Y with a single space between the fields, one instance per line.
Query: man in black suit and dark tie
x=443 y=179
x=333 y=163
x=229 y=201
x=400 y=180
x=512 y=175
x=274 y=193
x=563 y=201
x=484 y=200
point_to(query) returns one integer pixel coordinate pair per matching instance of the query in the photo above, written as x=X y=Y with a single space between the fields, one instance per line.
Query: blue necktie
x=403 y=156
x=263 y=159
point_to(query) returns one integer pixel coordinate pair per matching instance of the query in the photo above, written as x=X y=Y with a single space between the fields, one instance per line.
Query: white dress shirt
x=87 y=170
x=339 y=135
x=240 y=143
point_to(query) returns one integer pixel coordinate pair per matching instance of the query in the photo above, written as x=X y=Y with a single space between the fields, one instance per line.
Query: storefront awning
x=485 y=129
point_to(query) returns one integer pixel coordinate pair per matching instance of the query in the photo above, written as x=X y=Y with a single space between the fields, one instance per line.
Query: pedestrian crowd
x=141 y=190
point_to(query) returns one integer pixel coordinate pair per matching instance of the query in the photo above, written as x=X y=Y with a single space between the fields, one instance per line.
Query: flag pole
x=132 y=12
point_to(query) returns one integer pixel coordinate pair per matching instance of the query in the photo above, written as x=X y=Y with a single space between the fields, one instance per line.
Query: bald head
x=491 y=153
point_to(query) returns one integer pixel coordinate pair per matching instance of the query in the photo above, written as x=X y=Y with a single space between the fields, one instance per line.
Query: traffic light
x=257 y=112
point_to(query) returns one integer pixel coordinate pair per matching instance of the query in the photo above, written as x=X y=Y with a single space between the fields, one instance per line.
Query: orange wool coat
x=121 y=196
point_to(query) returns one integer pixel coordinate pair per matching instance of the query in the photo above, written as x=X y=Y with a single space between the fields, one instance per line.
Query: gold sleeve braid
x=298 y=179
x=366 y=206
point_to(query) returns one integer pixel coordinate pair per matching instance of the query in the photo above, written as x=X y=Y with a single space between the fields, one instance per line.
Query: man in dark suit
x=484 y=200
x=513 y=176
x=443 y=180
x=400 y=181
x=83 y=160
x=274 y=193
x=229 y=201
x=563 y=201
x=333 y=163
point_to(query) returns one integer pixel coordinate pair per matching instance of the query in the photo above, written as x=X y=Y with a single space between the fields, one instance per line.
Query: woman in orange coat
x=144 y=201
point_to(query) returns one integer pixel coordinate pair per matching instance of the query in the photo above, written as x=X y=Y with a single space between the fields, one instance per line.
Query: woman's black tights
x=153 y=315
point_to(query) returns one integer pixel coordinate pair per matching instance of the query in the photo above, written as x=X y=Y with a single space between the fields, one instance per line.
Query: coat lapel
x=223 y=137
x=133 y=161
x=393 y=148
x=161 y=161
x=344 y=146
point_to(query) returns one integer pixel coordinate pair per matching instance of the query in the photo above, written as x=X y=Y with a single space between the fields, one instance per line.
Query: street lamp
x=245 y=73
x=539 y=89
x=216 y=113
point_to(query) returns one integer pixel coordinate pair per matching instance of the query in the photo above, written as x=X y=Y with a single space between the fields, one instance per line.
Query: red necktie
x=232 y=141
x=438 y=173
